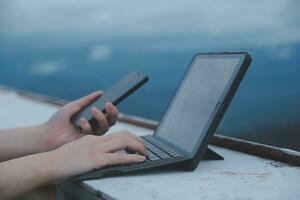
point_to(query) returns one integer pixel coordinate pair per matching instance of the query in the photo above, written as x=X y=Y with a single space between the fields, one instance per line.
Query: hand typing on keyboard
x=95 y=152
x=156 y=150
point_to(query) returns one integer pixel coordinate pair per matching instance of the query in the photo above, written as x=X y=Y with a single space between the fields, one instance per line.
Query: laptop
x=192 y=116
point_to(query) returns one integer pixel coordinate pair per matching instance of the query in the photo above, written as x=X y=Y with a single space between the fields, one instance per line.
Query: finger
x=111 y=113
x=101 y=119
x=120 y=133
x=122 y=158
x=84 y=101
x=85 y=126
x=75 y=106
x=124 y=142
x=129 y=134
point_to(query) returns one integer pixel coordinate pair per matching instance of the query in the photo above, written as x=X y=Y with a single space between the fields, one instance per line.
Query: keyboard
x=158 y=151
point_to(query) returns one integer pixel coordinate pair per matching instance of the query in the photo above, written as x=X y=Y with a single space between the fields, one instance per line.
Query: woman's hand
x=21 y=175
x=59 y=131
x=94 y=152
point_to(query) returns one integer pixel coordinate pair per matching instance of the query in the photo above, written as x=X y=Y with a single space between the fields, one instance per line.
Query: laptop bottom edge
x=123 y=169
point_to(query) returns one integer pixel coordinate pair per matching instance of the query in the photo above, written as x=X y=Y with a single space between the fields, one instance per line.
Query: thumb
x=77 y=105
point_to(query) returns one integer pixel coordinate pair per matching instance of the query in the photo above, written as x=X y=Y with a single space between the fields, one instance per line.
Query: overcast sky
x=261 y=22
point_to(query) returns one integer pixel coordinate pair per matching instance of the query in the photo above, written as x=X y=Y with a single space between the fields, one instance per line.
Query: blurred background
x=66 y=49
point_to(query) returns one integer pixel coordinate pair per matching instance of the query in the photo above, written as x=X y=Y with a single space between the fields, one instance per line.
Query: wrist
x=54 y=169
x=40 y=136
x=47 y=141
x=63 y=164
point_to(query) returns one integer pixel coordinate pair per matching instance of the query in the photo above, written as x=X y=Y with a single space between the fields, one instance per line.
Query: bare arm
x=21 y=175
x=61 y=141
x=56 y=132
x=20 y=142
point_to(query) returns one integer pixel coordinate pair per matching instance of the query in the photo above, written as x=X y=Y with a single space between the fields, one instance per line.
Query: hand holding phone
x=115 y=94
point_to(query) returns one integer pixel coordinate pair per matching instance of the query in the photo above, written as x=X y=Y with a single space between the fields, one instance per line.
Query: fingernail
x=94 y=109
x=109 y=104
x=142 y=158
x=82 y=119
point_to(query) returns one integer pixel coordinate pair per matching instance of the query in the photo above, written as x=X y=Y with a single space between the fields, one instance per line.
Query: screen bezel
x=225 y=97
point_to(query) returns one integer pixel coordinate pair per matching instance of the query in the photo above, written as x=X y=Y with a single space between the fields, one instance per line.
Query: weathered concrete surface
x=239 y=176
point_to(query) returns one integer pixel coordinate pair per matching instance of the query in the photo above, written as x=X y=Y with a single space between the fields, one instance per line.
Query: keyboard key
x=157 y=150
x=164 y=156
x=152 y=156
x=160 y=144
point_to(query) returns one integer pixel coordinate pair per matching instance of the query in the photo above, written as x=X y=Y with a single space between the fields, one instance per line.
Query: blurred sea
x=265 y=108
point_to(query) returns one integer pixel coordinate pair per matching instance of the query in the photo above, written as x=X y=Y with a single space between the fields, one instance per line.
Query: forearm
x=21 y=175
x=20 y=142
x=90 y=152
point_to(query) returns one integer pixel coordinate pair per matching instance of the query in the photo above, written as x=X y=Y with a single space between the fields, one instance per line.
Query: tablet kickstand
x=211 y=155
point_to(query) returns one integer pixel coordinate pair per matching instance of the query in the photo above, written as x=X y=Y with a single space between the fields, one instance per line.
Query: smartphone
x=115 y=94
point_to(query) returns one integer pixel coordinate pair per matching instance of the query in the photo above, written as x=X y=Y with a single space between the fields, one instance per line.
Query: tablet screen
x=184 y=124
